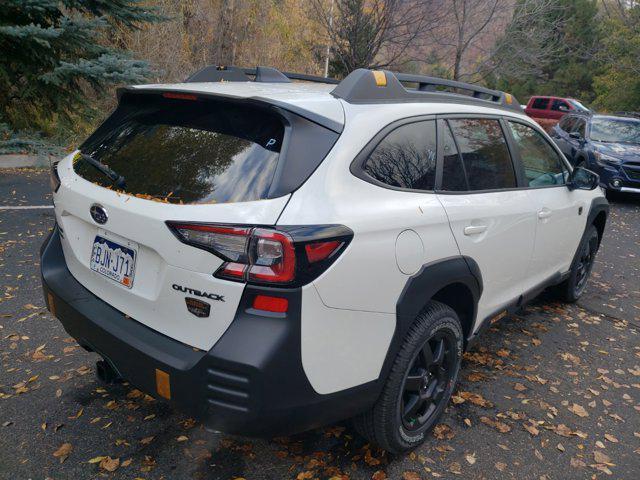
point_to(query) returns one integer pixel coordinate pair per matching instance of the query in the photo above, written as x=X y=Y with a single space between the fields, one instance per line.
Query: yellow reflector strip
x=509 y=98
x=163 y=384
x=381 y=79
x=51 y=304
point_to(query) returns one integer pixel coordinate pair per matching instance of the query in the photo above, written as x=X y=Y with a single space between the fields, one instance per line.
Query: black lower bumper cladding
x=251 y=382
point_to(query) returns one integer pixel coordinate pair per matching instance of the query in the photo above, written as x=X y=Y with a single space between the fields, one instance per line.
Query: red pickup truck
x=548 y=111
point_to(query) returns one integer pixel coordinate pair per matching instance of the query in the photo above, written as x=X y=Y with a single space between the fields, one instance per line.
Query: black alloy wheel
x=427 y=380
x=585 y=263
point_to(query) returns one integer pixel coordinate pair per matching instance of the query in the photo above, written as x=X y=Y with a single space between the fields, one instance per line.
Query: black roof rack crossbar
x=367 y=86
x=219 y=73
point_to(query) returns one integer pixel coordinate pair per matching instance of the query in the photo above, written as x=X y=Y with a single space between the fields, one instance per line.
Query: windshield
x=185 y=151
x=578 y=105
x=615 y=130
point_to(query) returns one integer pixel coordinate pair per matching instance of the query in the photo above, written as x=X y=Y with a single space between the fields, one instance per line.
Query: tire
x=390 y=424
x=573 y=287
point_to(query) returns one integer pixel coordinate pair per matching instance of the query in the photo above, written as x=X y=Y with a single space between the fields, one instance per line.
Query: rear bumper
x=250 y=383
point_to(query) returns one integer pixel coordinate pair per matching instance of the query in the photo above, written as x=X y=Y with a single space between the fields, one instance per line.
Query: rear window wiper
x=118 y=180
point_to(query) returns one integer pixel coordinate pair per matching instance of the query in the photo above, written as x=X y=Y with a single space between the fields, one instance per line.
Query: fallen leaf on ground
x=63 y=452
x=443 y=431
x=600 y=457
x=410 y=476
x=110 y=464
x=578 y=410
x=498 y=425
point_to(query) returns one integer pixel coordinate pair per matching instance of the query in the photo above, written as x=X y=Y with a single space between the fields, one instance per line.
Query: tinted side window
x=567 y=123
x=453 y=176
x=540 y=103
x=542 y=164
x=484 y=153
x=580 y=127
x=406 y=157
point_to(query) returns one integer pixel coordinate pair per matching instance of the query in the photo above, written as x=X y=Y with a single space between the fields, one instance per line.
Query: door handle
x=544 y=213
x=475 y=229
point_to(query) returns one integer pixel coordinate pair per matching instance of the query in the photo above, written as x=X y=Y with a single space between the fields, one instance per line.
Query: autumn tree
x=373 y=33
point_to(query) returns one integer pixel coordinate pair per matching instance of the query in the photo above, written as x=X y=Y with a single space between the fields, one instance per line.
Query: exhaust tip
x=106 y=373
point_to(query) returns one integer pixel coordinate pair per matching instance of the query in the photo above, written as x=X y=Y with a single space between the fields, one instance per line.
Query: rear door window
x=540 y=103
x=406 y=157
x=485 y=155
x=190 y=152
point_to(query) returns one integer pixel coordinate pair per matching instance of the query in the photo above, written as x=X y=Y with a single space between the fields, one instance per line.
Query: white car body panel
x=162 y=259
x=342 y=348
x=503 y=243
x=348 y=313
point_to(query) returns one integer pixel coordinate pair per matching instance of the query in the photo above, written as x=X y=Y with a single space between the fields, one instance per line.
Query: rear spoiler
x=314 y=117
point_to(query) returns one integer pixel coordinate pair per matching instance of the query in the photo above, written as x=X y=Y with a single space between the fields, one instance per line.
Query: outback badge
x=198 y=307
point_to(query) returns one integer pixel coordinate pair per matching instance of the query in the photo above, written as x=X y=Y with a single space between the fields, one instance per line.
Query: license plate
x=113 y=260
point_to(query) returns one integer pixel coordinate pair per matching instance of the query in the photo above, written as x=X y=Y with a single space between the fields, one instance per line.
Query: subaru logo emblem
x=99 y=214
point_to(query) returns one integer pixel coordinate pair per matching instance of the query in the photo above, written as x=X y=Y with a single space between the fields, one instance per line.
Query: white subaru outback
x=273 y=256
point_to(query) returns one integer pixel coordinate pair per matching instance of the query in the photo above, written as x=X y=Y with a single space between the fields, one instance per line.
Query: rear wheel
x=573 y=287
x=420 y=383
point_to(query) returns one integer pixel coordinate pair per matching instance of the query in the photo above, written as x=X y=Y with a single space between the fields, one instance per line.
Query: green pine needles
x=54 y=53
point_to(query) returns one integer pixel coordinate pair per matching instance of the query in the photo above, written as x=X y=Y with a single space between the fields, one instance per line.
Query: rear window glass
x=406 y=158
x=540 y=103
x=184 y=151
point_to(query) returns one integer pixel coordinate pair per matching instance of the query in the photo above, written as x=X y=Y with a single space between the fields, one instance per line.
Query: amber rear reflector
x=51 y=304
x=163 y=384
x=381 y=79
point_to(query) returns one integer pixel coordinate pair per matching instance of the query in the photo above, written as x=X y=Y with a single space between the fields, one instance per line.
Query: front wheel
x=573 y=287
x=420 y=383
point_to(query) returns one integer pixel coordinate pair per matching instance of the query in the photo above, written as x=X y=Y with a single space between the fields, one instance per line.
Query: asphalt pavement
x=550 y=393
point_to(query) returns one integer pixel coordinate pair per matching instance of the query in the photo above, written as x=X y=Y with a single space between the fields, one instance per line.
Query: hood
x=623 y=151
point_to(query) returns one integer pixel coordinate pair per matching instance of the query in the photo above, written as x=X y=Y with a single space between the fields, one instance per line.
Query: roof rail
x=220 y=73
x=382 y=86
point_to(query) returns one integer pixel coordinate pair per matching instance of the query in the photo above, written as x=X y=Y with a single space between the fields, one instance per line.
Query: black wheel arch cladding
x=421 y=288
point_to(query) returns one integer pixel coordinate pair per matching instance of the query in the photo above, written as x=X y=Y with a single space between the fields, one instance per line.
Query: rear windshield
x=184 y=151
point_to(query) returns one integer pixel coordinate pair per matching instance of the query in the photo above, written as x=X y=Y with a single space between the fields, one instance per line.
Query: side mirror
x=575 y=135
x=583 y=179
x=563 y=108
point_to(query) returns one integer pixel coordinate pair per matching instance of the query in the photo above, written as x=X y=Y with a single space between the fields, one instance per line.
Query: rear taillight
x=288 y=256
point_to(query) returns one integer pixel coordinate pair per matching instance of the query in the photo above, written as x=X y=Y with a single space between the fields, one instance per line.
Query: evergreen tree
x=53 y=52
x=618 y=85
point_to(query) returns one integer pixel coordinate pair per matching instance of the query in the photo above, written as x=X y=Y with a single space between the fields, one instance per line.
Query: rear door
x=560 y=212
x=159 y=159
x=538 y=108
x=492 y=221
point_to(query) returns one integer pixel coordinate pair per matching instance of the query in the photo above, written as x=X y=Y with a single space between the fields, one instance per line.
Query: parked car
x=547 y=111
x=607 y=145
x=274 y=256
